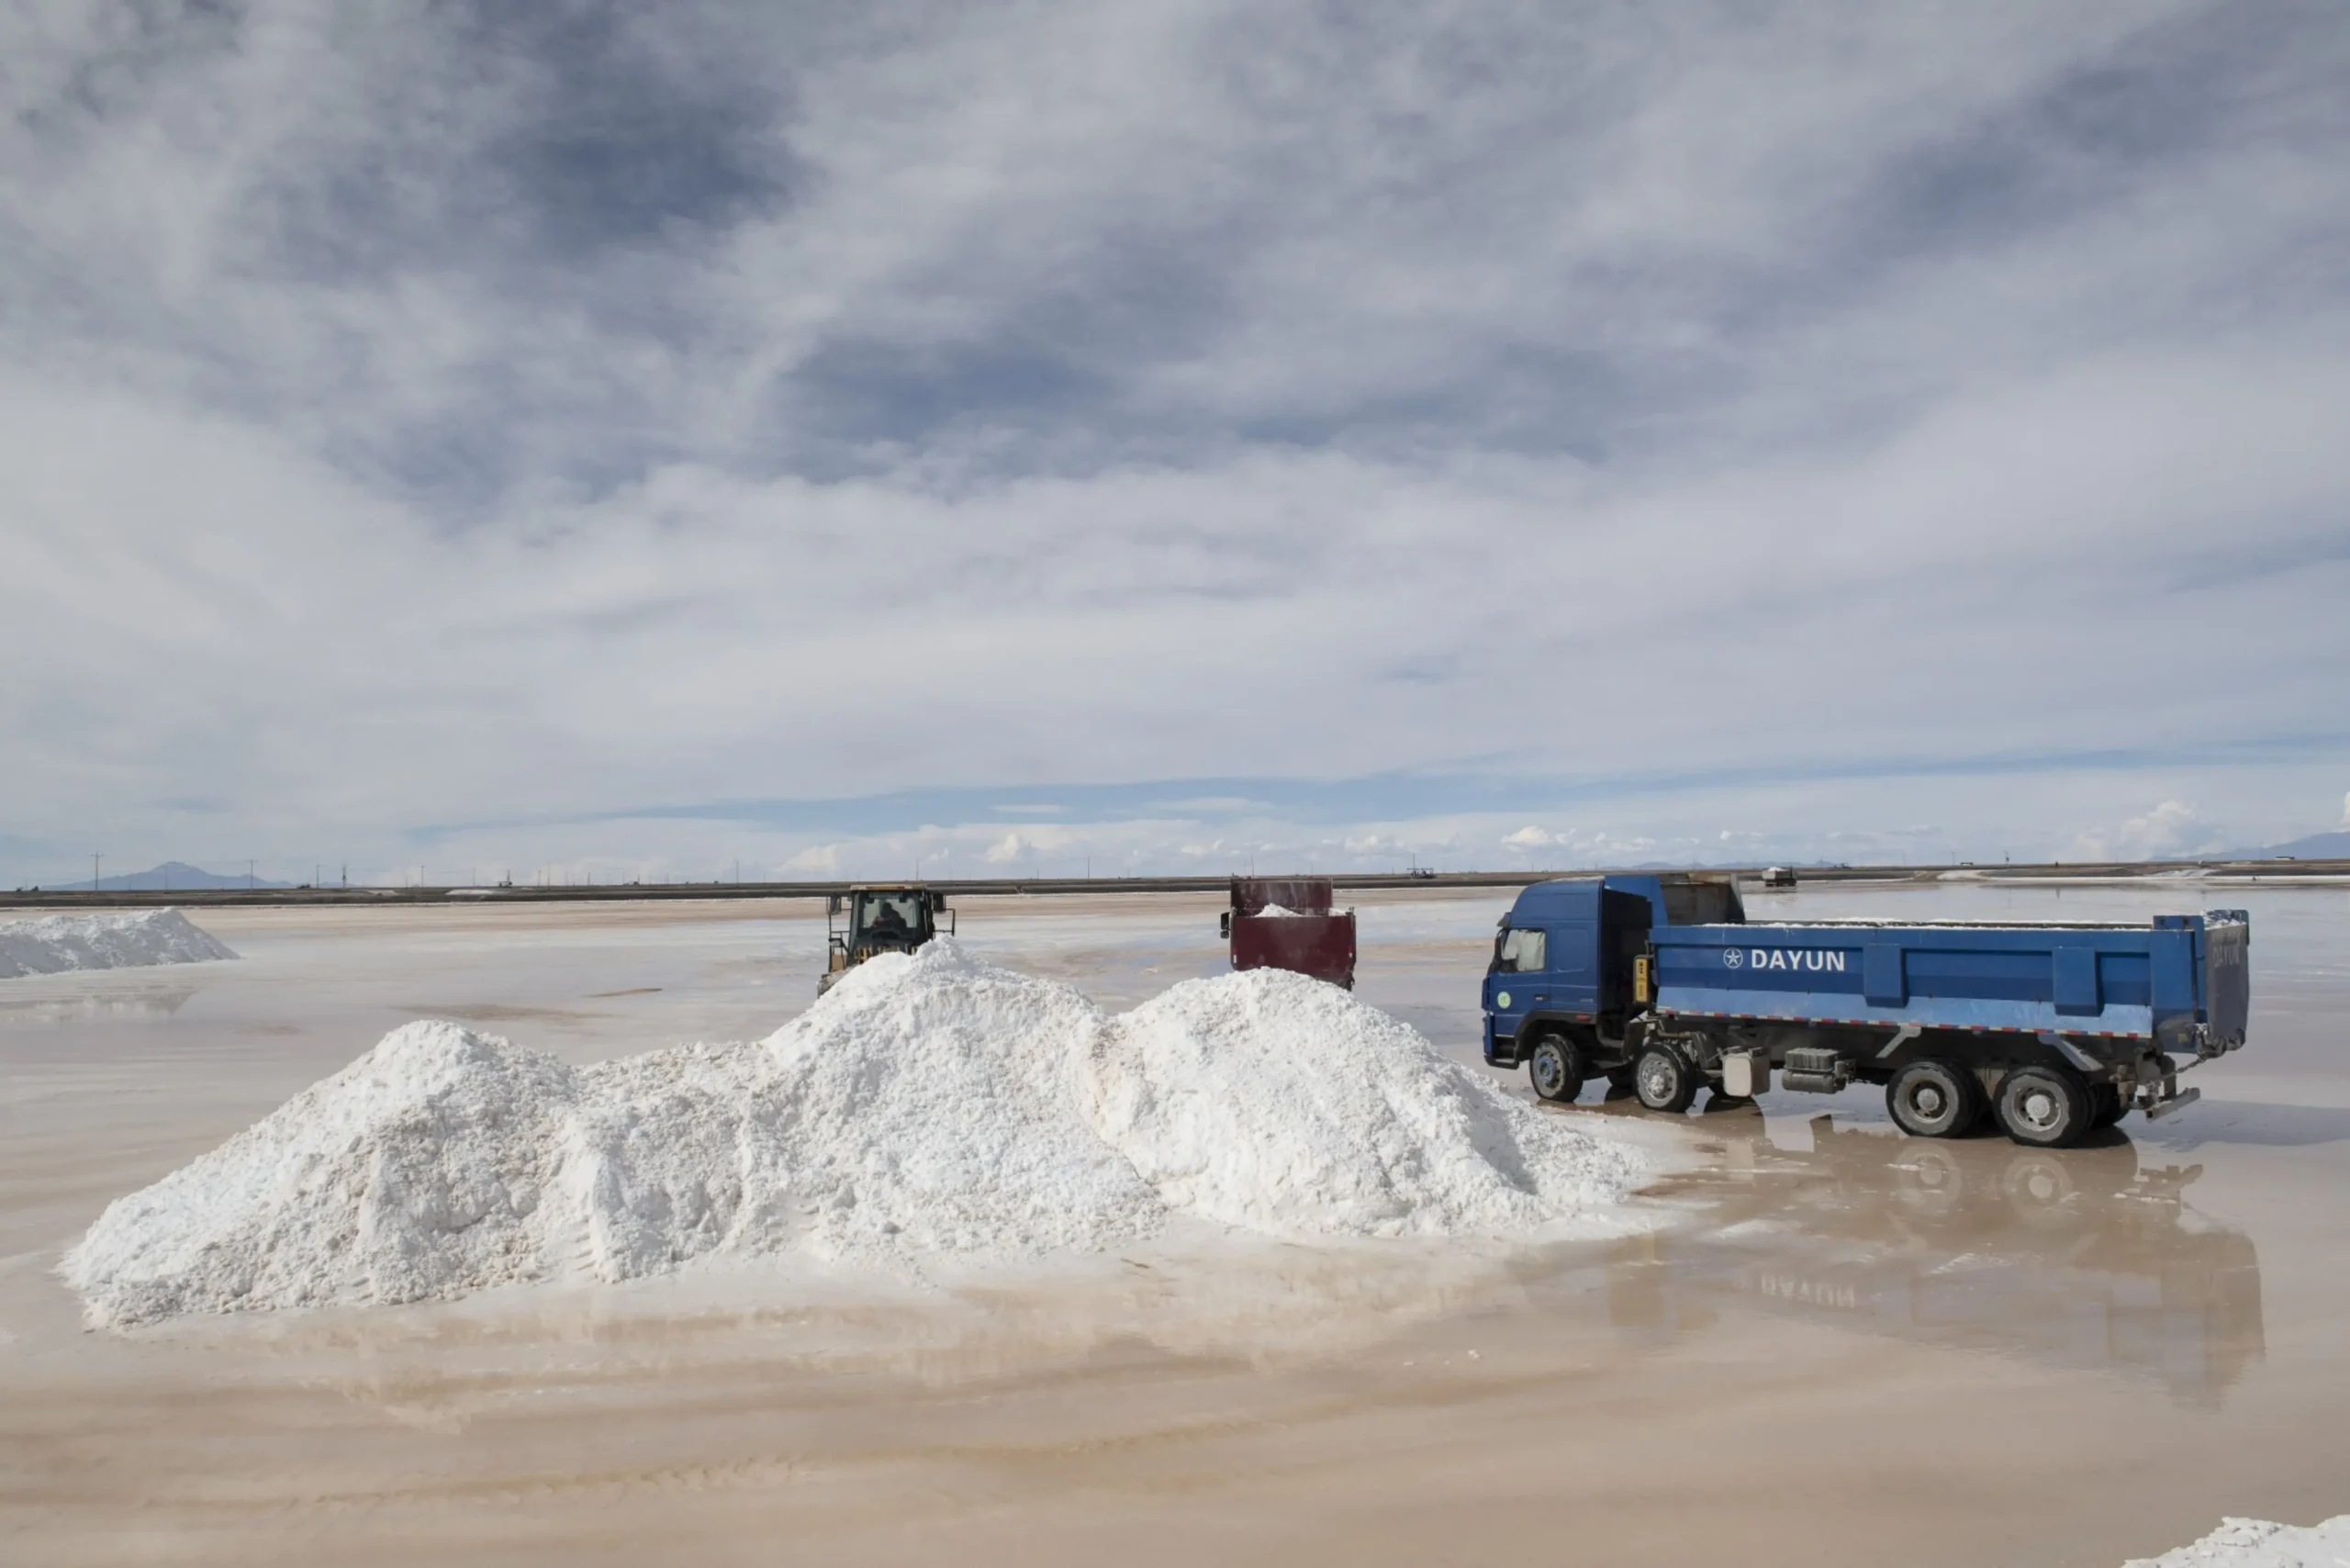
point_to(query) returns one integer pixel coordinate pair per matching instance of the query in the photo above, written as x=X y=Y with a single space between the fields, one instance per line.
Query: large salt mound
x=1277 y=1103
x=929 y=1102
x=63 y=942
x=928 y=1106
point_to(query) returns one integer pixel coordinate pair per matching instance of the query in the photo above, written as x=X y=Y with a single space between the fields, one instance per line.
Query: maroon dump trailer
x=1286 y=923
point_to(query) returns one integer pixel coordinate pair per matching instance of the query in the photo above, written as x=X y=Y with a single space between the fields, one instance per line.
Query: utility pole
x=94 y=873
x=249 y=876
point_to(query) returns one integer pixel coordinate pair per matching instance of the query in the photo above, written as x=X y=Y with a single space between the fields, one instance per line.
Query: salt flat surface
x=2261 y=1543
x=931 y=1105
x=2014 y=1324
x=58 y=942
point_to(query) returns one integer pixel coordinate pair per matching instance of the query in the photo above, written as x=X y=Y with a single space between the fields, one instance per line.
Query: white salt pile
x=928 y=1106
x=2258 y=1543
x=64 y=942
x=1276 y=1104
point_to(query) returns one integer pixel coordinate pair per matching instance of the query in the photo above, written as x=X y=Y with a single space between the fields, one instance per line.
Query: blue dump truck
x=1658 y=984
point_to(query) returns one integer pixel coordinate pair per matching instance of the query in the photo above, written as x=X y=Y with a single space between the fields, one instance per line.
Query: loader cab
x=895 y=917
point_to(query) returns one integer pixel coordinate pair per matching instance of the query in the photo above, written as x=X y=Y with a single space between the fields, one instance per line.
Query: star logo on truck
x=1733 y=956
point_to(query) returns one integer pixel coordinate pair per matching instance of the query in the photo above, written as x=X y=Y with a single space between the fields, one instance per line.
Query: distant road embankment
x=623 y=893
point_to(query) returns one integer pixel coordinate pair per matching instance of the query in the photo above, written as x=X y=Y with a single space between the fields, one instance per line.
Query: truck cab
x=879 y=917
x=1570 y=964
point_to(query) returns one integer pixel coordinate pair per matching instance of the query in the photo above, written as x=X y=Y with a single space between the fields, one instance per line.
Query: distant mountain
x=2316 y=846
x=174 y=876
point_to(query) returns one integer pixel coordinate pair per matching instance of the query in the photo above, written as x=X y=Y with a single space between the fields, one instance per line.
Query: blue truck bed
x=1659 y=984
x=2174 y=981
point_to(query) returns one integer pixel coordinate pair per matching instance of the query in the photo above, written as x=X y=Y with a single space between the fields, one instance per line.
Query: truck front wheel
x=2044 y=1106
x=1934 y=1099
x=1665 y=1081
x=1556 y=1068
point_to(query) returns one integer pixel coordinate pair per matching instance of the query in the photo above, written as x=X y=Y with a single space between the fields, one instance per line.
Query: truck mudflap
x=2157 y=1090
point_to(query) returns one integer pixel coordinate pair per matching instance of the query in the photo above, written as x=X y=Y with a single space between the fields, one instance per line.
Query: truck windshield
x=1518 y=951
x=885 y=916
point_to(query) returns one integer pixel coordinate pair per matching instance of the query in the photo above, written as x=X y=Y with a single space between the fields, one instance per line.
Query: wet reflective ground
x=2083 y=1258
x=1844 y=1346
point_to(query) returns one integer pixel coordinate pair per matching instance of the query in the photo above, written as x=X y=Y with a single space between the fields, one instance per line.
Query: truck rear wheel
x=1555 y=1066
x=2044 y=1106
x=1934 y=1099
x=1665 y=1081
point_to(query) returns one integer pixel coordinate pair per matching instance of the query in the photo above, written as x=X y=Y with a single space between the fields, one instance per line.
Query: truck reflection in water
x=2078 y=1257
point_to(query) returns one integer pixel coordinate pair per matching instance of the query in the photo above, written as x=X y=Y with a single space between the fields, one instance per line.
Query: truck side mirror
x=1223 y=925
x=832 y=903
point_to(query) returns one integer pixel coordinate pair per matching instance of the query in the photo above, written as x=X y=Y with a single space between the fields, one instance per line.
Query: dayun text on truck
x=1658 y=984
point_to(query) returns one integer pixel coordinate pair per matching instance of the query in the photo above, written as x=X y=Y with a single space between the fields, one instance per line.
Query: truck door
x=1518 y=983
x=1574 y=979
x=1541 y=968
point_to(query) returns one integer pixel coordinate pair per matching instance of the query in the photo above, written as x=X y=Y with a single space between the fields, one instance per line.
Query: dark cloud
x=2145 y=114
x=539 y=399
x=519 y=144
x=134 y=47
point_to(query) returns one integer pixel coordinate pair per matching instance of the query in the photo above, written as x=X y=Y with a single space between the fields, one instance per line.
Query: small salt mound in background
x=928 y=1106
x=1277 y=1103
x=63 y=942
x=2258 y=1543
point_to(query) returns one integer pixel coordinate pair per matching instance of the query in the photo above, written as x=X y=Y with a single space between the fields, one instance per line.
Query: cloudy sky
x=491 y=437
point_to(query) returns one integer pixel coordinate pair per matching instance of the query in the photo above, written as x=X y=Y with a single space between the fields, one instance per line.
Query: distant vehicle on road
x=1659 y=985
